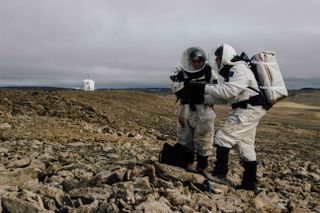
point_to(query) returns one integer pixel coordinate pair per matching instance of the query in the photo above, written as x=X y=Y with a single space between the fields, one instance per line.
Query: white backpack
x=267 y=72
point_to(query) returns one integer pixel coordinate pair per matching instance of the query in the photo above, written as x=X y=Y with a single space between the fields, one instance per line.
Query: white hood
x=227 y=55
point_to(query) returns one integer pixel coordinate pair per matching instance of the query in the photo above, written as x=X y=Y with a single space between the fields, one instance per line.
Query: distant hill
x=38 y=88
x=165 y=91
x=309 y=96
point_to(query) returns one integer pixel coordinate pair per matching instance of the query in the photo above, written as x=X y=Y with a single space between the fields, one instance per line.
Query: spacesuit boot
x=221 y=165
x=202 y=163
x=249 y=178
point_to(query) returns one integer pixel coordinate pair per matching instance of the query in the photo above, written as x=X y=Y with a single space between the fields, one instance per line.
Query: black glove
x=191 y=91
x=182 y=94
x=195 y=88
x=199 y=99
x=187 y=81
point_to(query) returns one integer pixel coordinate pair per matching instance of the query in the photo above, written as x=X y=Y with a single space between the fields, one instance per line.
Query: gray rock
x=125 y=191
x=23 y=177
x=113 y=156
x=24 y=162
x=201 y=200
x=306 y=187
x=176 y=198
x=16 y=205
x=177 y=174
x=53 y=193
x=4 y=126
x=301 y=173
x=49 y=204
x=3 y=150
x=123 y=205
x=151 y=172
x=218 y=188
x=108 y=177
x=264 y=202
x=89 y=208
x=229 y=204
x=98 y=193
x=163 y=137
x=66 y=174
x=315 y=176
x=163 y=183
x=109 y=207
x=188 y=209
x=142 y=183
x=81 y=173
x=106 y=129
x=2 y=167
x=68 y=185
x=128 y=195
x=37 y=164
x=31 y=197
x=153 y=207
x=54 y=168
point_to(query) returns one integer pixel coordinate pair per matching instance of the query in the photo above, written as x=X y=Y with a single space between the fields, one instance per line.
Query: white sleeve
x=237 y=83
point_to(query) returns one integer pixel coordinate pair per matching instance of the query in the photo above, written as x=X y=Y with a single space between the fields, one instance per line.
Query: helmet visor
x=193 y=59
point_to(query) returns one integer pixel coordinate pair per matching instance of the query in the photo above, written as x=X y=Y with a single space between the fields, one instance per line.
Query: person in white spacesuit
x=195 y=125
x=241 y=89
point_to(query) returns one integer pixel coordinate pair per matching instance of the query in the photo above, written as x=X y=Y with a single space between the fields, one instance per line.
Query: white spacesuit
x=241 y=89
x=195 y=125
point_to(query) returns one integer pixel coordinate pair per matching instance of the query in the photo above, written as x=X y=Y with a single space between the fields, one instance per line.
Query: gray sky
x=138 y=43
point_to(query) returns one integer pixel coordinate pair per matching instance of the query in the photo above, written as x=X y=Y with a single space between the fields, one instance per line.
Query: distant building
x=87 y=85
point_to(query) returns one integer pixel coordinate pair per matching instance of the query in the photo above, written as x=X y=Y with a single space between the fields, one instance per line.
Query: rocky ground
x=70 y=151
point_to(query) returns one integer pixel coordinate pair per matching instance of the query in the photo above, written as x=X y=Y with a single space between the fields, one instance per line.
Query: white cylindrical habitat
x=87 y=85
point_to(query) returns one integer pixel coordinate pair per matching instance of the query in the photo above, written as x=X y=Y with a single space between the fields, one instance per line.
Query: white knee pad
x=247 y=151
x=224 y=139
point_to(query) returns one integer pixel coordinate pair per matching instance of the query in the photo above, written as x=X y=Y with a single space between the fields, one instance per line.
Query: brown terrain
x=73 y=151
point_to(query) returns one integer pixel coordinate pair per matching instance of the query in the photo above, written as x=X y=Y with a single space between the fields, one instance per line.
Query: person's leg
x=248 y=158
x=226 y=138
x=184 y=149
x=221 y=164
x=184 y=133
x=202 y=140
x=246 y=147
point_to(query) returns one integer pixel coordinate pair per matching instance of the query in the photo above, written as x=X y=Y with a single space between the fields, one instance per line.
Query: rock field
x=71 y=151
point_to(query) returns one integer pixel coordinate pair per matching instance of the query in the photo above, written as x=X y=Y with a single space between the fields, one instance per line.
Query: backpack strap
x=225 y=72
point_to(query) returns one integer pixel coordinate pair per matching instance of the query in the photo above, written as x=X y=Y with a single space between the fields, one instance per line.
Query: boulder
x=168 y=172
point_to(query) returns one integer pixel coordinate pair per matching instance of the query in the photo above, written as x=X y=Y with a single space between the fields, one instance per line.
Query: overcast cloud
x=138 y=43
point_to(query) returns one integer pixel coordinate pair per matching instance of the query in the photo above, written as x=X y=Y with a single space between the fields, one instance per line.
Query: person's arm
x=208 y=99
x=238 y=82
